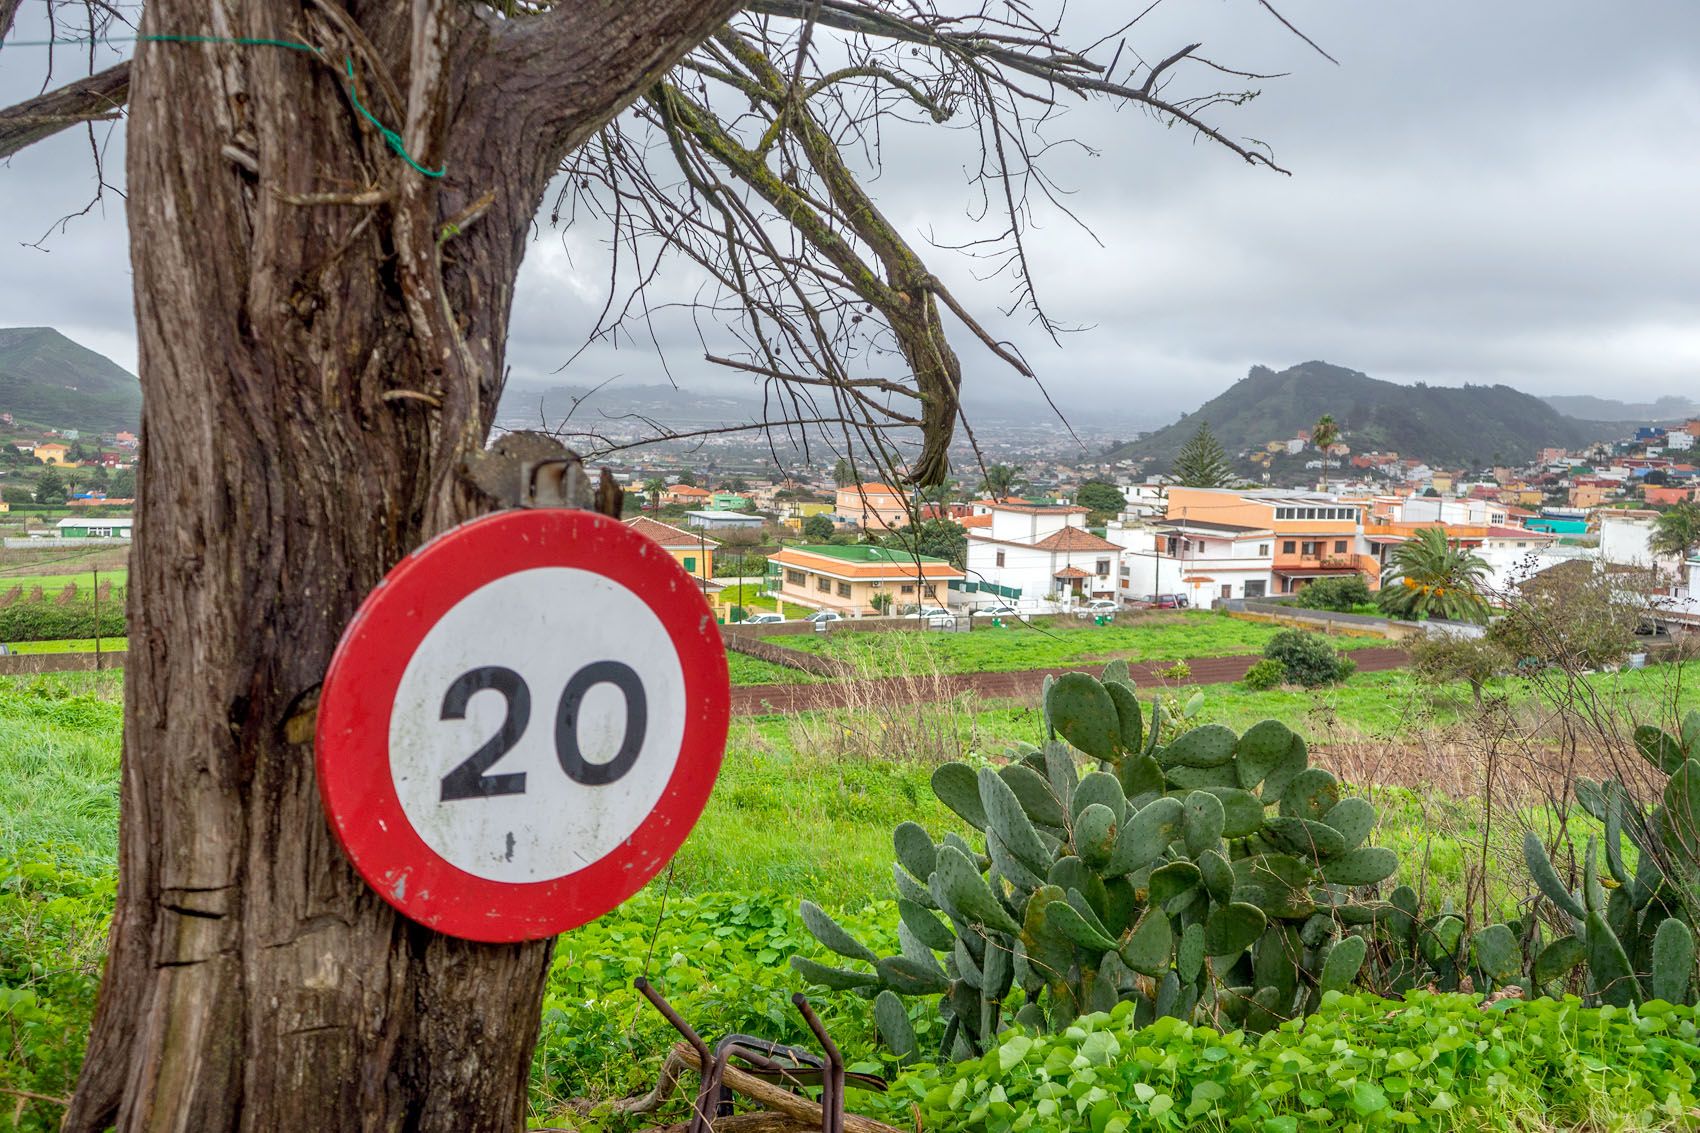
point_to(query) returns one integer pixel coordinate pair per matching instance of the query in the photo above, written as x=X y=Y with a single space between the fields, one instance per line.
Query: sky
x=1480 y=192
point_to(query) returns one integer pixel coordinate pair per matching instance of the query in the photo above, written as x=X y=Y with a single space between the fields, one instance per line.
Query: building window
x=844 y=590
x=1000 y=558
x=824 y=585
x=796 y=578
x=907 y=588
x=1254 y=588
x=1288 y=547
x=1310 y=550
x=1263 y=550
x=1103 y=568
x=1339 y=546
x=690 y=563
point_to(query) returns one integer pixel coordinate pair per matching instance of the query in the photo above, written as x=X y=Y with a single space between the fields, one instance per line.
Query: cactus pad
x=1095 y=835
x=1148 y=947
x=1145 y=835
x=1367 y=865
x=1209 y=746
x=831 y=934
x=1083 y=714
x=1203 y=821
x=1130 y=723
x=1312 y=794
x=1233 y=928
x=1034 y=792
x=837 y=979
x=958 y=787
x=894 y=1026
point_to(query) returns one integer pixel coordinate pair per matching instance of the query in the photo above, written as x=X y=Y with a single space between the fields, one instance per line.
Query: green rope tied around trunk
x=390 y=136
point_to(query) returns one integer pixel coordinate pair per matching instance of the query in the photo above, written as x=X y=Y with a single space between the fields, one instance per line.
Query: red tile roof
x=667 y=535
x=1074 y=539
x=1071 y=572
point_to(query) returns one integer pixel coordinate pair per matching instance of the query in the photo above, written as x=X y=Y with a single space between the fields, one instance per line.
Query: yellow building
x=693 y=550
x=846 y=579
x=54 y=453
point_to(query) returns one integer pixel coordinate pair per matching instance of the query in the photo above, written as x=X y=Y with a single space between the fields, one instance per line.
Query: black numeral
x=626 y=680
x=469 y=781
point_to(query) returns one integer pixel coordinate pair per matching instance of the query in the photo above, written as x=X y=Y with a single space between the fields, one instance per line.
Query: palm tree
x=1001 y=481
x=844 y=474
x=652 y=489
x=1325 y=435
x=1430 y=577
x=1677 y=531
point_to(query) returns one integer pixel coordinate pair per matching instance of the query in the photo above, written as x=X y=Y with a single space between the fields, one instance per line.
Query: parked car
x=998 y=611
x=824 y=616
x=763 y=619
x=1104 y=605
x=924 y=612
x=1161 y=602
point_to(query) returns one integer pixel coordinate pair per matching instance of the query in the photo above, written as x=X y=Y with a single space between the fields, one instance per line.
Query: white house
x=1207 y=562
x=1036 y=553
x=1626 y=538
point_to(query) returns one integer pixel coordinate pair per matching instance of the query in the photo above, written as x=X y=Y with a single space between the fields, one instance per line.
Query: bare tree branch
x=97 y=98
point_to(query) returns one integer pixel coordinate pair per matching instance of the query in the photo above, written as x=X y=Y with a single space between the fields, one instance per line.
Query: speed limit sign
x=522 y=723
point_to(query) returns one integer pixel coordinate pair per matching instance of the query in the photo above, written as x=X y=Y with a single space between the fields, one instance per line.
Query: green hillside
x=1445 y=426
x=46 y=379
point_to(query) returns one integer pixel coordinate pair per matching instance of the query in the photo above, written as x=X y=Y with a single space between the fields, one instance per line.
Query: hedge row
x=46 y=620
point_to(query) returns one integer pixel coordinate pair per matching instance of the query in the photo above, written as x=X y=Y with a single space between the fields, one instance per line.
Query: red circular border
x=352 y=740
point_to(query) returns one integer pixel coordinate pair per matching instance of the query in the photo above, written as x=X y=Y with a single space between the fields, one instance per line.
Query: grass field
x=52 y=584
x=1154 y=637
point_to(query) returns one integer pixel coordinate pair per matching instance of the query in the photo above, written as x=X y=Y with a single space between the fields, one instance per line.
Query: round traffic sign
x=522 y=723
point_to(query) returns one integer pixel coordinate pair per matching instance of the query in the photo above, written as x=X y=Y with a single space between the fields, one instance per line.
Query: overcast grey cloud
x=1484 y=192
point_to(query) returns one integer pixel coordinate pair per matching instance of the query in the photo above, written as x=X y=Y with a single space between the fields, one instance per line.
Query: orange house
x=874 y=507
x=1316 y=535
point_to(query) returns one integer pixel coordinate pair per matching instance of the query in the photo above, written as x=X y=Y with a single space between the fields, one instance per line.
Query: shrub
x=1308 y=658
x=47 y=620
x=1338 y=594
x=1180 y=671
x=1265 y=675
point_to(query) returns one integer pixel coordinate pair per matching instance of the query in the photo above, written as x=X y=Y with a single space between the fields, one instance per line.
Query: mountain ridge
x=1586 y=407
x=50 y=380
x=1444 y=425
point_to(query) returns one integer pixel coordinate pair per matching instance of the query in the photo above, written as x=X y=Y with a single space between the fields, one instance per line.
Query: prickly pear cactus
x=1216 y=877
x=1633 y=929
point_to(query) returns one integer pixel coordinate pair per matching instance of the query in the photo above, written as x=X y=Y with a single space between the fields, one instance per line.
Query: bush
x=1308 y=658
x=1434 y=1062
x=1338 y=594
x=47 y=620
x=1265 y=675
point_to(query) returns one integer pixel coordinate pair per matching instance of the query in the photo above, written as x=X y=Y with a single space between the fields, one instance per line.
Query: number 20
x=469 y=781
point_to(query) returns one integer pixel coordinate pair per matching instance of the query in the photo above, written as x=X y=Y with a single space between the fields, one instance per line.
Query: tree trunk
x=321 y=340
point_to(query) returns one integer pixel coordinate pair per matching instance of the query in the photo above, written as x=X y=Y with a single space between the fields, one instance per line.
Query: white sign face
x=537 y=724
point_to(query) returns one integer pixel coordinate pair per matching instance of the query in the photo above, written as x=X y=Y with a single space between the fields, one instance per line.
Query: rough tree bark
x=321 y=342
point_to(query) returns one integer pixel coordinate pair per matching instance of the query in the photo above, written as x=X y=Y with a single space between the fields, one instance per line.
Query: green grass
x=59 y=741
x=747 y=670
x=71 y=645
x=52 y=584
x=1154 y=637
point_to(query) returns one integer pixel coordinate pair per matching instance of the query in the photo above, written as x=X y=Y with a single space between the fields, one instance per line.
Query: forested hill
x=1442 y=425
x=48 y=380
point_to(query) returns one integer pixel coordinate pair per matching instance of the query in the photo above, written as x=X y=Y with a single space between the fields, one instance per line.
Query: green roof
x=864 y=553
